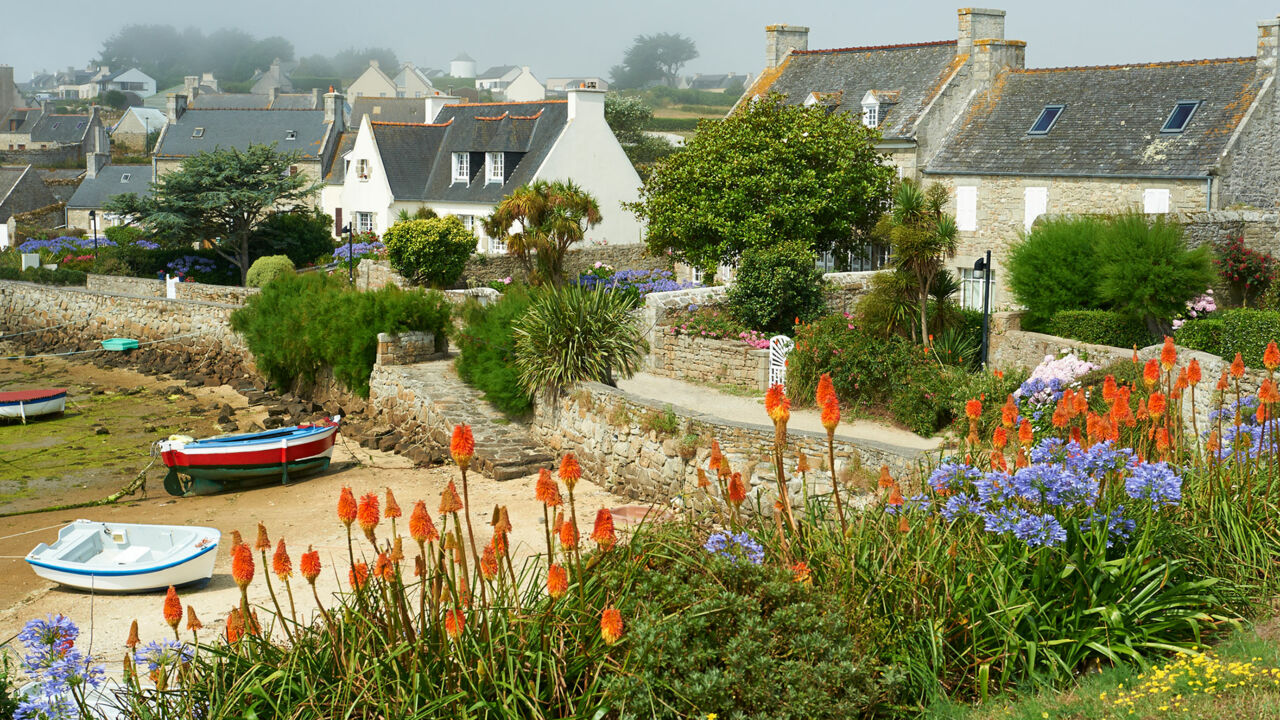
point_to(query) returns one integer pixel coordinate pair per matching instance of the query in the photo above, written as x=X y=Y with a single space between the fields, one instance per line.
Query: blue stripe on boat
x=34 y=400
x=281 y=434
x=73 y=571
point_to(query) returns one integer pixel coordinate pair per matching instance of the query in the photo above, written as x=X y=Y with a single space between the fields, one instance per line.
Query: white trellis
x=779 y=347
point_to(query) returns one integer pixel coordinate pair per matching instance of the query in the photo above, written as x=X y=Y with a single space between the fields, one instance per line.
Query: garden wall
x=146 y=287
x=1260 y=230
x=602 y=426
x=704 y=360
x=484 y=269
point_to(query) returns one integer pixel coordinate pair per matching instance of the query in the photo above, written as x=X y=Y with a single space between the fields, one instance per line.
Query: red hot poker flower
x=1237 y=367
x=1025 y=434
x=570 y=471
x=1009 y=413
x=310 y=566
x=611 y=626
x=1193 y=372
x=454 y=623
x=713 y=462
x=450 y=501
x=235 y=625
x=421 y=528
x=546 y=491
x=557 y=582
x=393 y=507
x=281 y=563
x=368 y=514
x=568 y=534
x=826 y=390
x=1168 y=354
x=737 y=489
x=831 y=415
x=895 y=495
x=777 y=404
x=347 y=507
x=358 y=575
x=1151 y=373
x=263 y=542
x=132 y=641
x=1268 y=394
x=603 y=533
x=172 y=608
x=242 y=565
x=1156 y=405
x=489 y=561
x=973 y=409
x=193 y=622
x=885 y=479
x=1271 y=357
x=801 y=574
x=999 y=438
x=462 y=446
x=384 y=568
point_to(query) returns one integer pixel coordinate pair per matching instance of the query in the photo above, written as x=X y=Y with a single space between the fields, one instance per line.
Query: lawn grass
x=1247 y=665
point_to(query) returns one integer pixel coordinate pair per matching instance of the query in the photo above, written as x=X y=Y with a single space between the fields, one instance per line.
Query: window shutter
x=337 y=221
x=967 y=209
x=1155 y=202
x=1036 y=202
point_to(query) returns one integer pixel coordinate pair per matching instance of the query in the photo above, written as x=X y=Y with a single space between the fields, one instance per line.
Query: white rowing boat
x=120 y=557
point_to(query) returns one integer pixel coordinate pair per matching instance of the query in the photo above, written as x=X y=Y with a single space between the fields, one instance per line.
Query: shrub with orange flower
x=450 y=501
x=546 y=491
x=462 y=446
x=603 y=533
x=172 y=608
x=242 y=565
x=454 y=623
x=358 y=575
x=570 y=471
x=557 y=582
x=281 y=564
x=611 y=625
x=310 y=565
x=347 y=507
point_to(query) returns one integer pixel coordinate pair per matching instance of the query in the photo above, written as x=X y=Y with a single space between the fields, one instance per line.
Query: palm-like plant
x=572 y=334
x=921 y=235
x=540 y=221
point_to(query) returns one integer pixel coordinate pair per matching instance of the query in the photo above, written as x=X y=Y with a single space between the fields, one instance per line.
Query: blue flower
x=735 y=547
x=1156 y=483
x=960 y=505
x=1118 y=527
x=953 y=476
x=1040 y=531
x=146 y=245
x=167 y=654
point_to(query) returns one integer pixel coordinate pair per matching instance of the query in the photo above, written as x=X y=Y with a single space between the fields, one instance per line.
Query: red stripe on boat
x=232 y=458
x=29 y=395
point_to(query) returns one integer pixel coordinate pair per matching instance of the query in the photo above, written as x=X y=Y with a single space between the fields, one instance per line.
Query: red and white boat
x=23 y=404
x=234 y=462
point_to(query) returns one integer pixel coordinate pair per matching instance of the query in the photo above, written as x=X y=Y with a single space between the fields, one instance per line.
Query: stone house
x=132 y=80
x=561 y=85
x=715 y=82
x=40 y=128
x=497 y=78
x=101 y=183
x=468 y=156
x=1168 y=137
x=132 y=129
x=275 y=77
x=271 y=100
x=22 y=190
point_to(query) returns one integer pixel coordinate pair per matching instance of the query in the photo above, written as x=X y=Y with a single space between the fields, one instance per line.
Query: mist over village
x=903 y=362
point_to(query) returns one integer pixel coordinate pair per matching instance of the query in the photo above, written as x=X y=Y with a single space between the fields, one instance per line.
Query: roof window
x=197 y=133
x=1180 y=116
x=125 y=177
x=1044 y=123
x=291 y=135
x=55 y=125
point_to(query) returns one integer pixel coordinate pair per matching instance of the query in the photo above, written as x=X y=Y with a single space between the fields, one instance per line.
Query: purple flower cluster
x=1044 y=386
x=343 y=253
x=146 y=245
x=642 y=282
x=188 y=264
x=56 y=666
x=1118 y=527
x=1246 y=441
x=735 y=548
x=164 y=656
x=63 y=244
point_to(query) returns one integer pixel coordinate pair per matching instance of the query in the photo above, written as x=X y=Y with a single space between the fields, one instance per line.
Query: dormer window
x=197 y=133
x=871 y=114
x=125 y=177
x=1181 y=115
x=362 y=169
x=1044 y=123
x=461 y=167
x=494 y=164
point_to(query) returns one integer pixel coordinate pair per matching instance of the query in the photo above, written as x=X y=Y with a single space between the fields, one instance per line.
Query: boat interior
x=114 y=545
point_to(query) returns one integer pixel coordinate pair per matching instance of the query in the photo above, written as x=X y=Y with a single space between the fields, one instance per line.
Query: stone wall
x=407 y=348
x=715 y=362
x=63 y=156
x=146 y=287
x=1260 y=230
x=482 y=269
x=602 y=426
x=846 y=289
x=1249 y=175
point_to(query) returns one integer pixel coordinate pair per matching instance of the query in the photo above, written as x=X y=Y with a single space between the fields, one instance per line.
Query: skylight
x=198 y=132
x=1048 y=117
x=55 y=125
x=125 y=177
x=1180 y=116
x=291 y=135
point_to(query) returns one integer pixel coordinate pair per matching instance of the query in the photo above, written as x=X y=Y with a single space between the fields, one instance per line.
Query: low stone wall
x=483 y=269
x=704 y=360
x=1259 y=229
x=146 y=287
x=409 y=347
x=846 y=289
x=601 y=425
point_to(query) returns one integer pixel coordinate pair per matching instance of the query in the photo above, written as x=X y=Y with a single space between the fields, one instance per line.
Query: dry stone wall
x=704 y=360
x=145 y=287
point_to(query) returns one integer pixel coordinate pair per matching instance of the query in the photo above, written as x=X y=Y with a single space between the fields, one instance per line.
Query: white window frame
x=494 y=168
x=971 y=286
x=362 y=169
x=1035 y=202
x=462 y=168
x=1155 y=201
x=363 y=222
x=967 y=208
x=871 y=114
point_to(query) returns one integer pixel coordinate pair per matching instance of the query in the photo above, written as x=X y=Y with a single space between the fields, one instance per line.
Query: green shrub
x=1146 y=271
x=1247 y=273
x=44 y=276
x=1233 y=331
x=1100 y=327
x=305 y=237
x=431 y=251
x=571 y=334
x=268 y=268
x=1054 y=268
x=665 y=124
x=301 y=323
x=774 y=286
x=889 y=308
x=486 y=347
x=709 y=321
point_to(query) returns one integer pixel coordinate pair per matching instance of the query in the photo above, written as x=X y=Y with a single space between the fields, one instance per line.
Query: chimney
x=586 y=103
x=175 y=106
x=435 y=103
x=373 y=64
x=272 y=94
x=779 y=40
x=978 y=24
x=333 y=110
x=191 y=85
x=210 y=81
x=1268 y=45
x=100 y=156
x=8 y=90
x=317 y=98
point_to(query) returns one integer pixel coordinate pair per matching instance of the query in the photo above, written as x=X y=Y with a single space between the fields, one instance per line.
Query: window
x=55 y=125
x=362 y=169
x=364 y=222
x=197 y=133
x=873 y=257
x=972 y=284
x=967 y=209
x=871 y=114
x=494 y=161
x=1155 y=202
x=497 y=247
x=1047 y=118
x=1180 y=116
x=461 y=167
x=125 y=177
x=291 y=135
x=1035 y=203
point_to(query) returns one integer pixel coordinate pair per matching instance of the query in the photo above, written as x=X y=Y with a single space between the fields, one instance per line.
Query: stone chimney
x=100 y=157
x=374 y=64
x=9 y=97
x=978 y=24
x=437 y=102
x=272 y=94
x=779 y=40
x=1268 y=45
x=191 y=86
x=333 y=110
x=209 y=81
x=317 y=98
x=175 y=106
x=587 y=104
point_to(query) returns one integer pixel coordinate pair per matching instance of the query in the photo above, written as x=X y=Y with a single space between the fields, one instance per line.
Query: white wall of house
x=588 y=154
x=411 y=83
x=525 y=88
x=365 y=188
x=472 y=215
x=372 y=83
x=126 y=81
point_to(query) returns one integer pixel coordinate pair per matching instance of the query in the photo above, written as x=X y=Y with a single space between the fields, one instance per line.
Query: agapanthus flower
x=310 y=565
x=161 y=655
x=570 y=471
x=1040 y=531
x=368 y=514
x=462 y=446
x=1156 y=483
x=546 y=490
x=1118 y=527
x=611 y=626
x=347 y=507
x=281 y=563
x=450 y=501
x=953 y=476
x=242 y=565
x=735 y=547
x=172 y=608
x=557 y=581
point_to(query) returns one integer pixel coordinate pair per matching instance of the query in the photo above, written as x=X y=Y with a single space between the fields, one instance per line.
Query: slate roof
x=381 y=109
x=917 y=71
x=55 y=128
x=62 y=183
x=252 y=101
x=242 y=128
x=337 y=174
x=1110 y=125
x=147 y=117
x=496 y=72
x=94 y=192
x=418 y=157
x=9 y=176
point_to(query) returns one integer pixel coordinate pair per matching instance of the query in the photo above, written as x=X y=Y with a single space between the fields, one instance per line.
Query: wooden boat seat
x=131 y=555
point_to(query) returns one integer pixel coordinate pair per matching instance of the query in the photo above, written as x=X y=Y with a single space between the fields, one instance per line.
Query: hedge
x=1100 y=327
x=1229 y=332
x=673 y=124
x=44 y=276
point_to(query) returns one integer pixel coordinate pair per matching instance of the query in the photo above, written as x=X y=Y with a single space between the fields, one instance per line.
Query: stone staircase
x=426 y=400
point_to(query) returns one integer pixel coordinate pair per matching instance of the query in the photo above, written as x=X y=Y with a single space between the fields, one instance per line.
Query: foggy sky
x=587 y=37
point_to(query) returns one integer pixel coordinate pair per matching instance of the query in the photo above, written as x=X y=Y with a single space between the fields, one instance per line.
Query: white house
x=525 y=88
x=471 y=155
x=373 y=82
x=497 y=78
x=132 y=80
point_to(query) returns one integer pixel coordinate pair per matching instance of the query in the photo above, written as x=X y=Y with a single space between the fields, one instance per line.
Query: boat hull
x=24 y=409
x=124 y=557
x=214 y=480
x=193 y=571
x=238 y=462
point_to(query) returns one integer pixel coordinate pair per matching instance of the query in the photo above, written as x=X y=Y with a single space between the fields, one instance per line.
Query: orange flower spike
x=1237 y=367
x=603 y=533
x=281 y=563
x=263 y=542
x=1109 y=389
x=999 y=438
x=368 y=514
x=973 y=409
x=1168 y=354
x=1193 y=372
x=611 y=626
x=1151 y=373
x=1267 y=393
x=1222 y=382
x=1215 y=442
x=1009 y=413
x=1082 y=403
x=777 y=404
x=1025 y=434
x=358 y=575
x=1271 y=357
x=895 y=495
x=242 y=565
x=397 y=550
x=1135 y=355
x=1156 y=405
x=703 y=482
x=802 y=463
x=462 y=446
x=383 y=567
x=801 y=574
x=713 y=462
x=1059 y=416
x=421 y=529
x=737 y=489
x=1162 y=440
x=1074 y=435
x=546 y=491
x=235 y=538
x=503 y=524
x=193 y=622
x=489 y=561
x=885 y=479
x=172 y=608
x=1142 y=410
x=347 y=507
x=393 y=507
x=450 y=501
x=831 y=415
x=454 y=623
x=1261 y=414
x=570 y=471
x=132 y=641
x=235 y=625
x=310 y=565
x=557 y=582
x=903 y=525
x=568 y=535
x=826 y=390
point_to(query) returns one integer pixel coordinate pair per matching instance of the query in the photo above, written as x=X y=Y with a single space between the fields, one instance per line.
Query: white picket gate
x=779 y=347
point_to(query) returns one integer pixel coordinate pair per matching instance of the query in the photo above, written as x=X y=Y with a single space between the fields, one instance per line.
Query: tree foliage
x=775 y=286
x=921 y=235
x=268 y=268
x=572 y=334
x=628 y=116
x=770 y=173
x=168 y=54
x=1055 y=268
x=1147 y=272
x=653 y=59
x=305 y=236
x=549 y=217
x=430 y=251
x=222 y=196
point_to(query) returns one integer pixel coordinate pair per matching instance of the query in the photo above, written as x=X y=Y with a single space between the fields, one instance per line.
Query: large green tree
x=223 y=197
x=653 y=59
x=540 y=221
x=628 y=116
x=769 y=173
